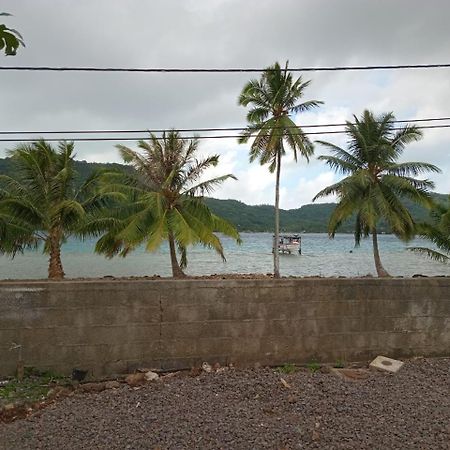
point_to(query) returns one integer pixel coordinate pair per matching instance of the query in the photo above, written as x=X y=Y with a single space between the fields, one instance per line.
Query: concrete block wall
x=111 y=327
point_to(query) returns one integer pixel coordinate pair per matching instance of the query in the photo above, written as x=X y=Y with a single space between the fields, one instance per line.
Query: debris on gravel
x=248 y=409
x=135 y=379
x=387 y=364
x=206 y=367
x=151 y=376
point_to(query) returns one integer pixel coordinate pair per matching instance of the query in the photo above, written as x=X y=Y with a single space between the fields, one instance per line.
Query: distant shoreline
x=230 y=276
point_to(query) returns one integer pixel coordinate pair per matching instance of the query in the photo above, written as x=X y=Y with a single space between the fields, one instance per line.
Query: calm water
x=321 y=256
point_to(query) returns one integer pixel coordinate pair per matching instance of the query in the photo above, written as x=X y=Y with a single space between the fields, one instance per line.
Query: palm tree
x=376 y=182
x=40 y=202
x=437 y=232
x=164 y=201
x=274 y=99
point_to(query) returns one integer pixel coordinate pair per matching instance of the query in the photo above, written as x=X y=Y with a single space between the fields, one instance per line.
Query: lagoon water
x=321 y=256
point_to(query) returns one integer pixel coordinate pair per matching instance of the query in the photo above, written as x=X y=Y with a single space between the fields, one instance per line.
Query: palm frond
x=208 y=186
x=336 y=188
x=306 y=106
x=411 y=168
x=432 y=254
x=338 y=165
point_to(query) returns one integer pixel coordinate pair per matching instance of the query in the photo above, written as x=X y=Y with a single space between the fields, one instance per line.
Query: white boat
x=290 y=243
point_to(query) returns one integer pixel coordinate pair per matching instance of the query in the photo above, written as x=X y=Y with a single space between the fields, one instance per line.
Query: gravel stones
x=351 y=374
x=248 y=409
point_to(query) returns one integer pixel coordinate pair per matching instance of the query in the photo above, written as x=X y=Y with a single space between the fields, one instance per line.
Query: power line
x=201 y=130
x=218 y=70
x=123 y=139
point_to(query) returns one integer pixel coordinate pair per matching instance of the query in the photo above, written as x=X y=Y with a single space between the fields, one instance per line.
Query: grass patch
x=313 y=366
x=34 y=386
x=339 y=364
x=287 y=368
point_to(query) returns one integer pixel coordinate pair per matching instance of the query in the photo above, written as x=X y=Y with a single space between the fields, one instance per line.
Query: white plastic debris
x=206 y=367
x=151 y=376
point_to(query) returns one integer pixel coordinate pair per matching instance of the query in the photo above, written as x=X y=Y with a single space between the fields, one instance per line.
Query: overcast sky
x=227 y=33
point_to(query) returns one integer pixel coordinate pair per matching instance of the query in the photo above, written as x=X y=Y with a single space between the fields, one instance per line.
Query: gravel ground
x=252 y=409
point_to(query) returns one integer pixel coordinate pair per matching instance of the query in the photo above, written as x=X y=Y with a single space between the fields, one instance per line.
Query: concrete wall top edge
x=198 y=282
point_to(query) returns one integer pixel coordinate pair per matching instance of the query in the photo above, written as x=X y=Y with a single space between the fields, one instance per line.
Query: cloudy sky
x=227 y=33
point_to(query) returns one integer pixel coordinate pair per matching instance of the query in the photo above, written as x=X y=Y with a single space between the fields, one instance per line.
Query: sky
x=227 y=33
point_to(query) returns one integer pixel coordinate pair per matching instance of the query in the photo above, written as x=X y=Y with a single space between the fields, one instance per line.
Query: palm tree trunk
x=381 y=272
x=55 y=268
x=276 y=255
x=176 y=269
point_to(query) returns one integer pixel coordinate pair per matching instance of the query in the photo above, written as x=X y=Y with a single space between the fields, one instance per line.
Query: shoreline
x=230 y=276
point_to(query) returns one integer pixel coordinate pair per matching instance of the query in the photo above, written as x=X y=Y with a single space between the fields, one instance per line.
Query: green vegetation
x=287 y=368
x=162 y=199
x=10 y=39
x=274 y=100
x=376 y=183
x=339 y=364
x=40 y=203
x=34 y=387
x=312 y=218
x=83 y=170
x=313 y=366
x=437 y=232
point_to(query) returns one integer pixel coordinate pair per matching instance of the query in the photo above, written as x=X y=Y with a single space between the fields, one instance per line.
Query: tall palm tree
x=437 y=232
x=164 y=201
x=40 y=203
x=376 y=182
x=274 y=99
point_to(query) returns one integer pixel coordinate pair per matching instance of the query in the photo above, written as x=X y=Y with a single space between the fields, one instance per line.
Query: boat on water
x=290 y=243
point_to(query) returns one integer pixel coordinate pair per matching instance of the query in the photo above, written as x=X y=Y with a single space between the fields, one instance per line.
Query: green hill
x=310 y=218
x=84 y=168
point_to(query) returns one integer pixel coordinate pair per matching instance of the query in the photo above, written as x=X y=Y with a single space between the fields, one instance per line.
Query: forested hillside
x=309 y=218
x=83 y=168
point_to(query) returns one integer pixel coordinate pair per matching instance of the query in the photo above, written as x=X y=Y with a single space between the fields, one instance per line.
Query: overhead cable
x=201 y=130
x=123 y=139
x=219 y=70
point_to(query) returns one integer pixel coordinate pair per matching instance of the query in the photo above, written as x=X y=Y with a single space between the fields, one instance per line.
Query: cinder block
x=386 y=364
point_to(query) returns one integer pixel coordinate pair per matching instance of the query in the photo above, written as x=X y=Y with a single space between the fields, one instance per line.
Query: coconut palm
x=376 y=182
x=40 y=203
x=274 y=99
x=164 y=201
x=437 y=232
